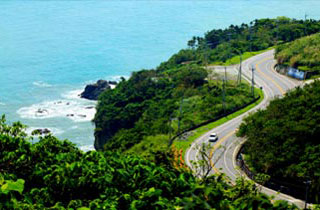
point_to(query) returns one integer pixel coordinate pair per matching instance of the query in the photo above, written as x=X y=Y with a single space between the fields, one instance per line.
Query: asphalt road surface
x=224 y=150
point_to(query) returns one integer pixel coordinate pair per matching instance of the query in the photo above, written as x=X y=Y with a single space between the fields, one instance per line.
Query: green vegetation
x=302 y=54
x=236 y=59
x=185 y=144
x=283 y=140
x=219 y=46
x=54 y=174
x=153 y=103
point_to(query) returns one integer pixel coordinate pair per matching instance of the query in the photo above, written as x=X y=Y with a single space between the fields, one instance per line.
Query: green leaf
x=1 y=179
x=13 y=186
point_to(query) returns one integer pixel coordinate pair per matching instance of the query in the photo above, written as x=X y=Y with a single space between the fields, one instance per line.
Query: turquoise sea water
x=50 y=49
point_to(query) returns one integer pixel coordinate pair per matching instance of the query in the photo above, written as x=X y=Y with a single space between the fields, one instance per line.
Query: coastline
x=69 y=108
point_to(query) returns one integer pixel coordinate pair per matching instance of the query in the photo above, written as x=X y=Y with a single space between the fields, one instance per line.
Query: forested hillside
x=302 y=54
x=54 y=174
x=283 y=140
x=153 y=105
x=219 y=45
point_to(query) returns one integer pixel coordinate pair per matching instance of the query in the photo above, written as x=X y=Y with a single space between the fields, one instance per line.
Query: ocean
x=49 y=50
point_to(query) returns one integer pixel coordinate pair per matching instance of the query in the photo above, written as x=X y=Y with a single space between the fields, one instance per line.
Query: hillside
x=54 y=174
x=283 y=140
x=153 y=105
x=302 y=54
x=220 y=45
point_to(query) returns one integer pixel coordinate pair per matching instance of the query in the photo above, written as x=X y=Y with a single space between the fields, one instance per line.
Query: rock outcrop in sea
x=41 y=131
x=92 y=91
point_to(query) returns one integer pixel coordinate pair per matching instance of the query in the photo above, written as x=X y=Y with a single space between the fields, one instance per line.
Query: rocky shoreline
x=92 y=91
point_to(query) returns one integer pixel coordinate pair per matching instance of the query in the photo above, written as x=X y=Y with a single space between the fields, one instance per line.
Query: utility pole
x=180 y=115
x=250 y=38
x=170 y=122
x=277 y=31
x=252 y=82
x=206 y=54
x=240 y=69
x=305 y=24
x=225 y=74
x=307 y=189
x=224 y=92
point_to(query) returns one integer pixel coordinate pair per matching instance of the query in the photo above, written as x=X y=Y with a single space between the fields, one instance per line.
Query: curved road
x=224 y=150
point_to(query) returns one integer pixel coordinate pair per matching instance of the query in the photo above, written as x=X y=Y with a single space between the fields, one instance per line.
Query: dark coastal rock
x=41 y=131
x=41 y=112
x=113 y=82
x=92 y=91
x=100 y=140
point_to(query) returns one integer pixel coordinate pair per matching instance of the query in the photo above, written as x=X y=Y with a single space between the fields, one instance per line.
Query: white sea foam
x=41 y=84
x=74 y=127
x=54 y=131
x=74 y=94
x=117 y=78
x=87 y=148
x=2 y=104
x=72 y=109
x=112 y=86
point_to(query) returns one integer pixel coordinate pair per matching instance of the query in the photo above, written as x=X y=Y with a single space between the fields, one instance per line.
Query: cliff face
x=92 y=91
x=100 y=139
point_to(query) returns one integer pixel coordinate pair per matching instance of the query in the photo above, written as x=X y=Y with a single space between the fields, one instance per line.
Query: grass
x=149 y=145
x=236 y=59
x=185 y=144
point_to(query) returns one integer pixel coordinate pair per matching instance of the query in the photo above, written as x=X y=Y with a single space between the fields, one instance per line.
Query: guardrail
x=296 y=190
x=293 y=72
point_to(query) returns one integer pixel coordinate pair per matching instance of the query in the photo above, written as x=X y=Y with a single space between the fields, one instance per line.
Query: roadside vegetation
x=141 y=114
x=283 y=140
x=302 y=54
x=184 y=144
x=54 y=174
x=220 y=45
x=152 y=106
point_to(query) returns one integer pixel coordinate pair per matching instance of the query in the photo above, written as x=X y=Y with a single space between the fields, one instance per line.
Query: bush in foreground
x=57 y=175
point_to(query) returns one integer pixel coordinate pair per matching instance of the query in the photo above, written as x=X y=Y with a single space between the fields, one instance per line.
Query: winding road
x=224 y=150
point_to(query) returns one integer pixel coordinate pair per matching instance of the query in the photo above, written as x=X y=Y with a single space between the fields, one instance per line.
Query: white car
x=213 y=137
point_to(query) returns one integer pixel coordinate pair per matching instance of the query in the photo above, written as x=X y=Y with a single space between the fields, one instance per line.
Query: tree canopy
x=54 y=174
x=152 y=103
x=302 y=53
x=283 y=140
x=219 y=45
x=177 y=94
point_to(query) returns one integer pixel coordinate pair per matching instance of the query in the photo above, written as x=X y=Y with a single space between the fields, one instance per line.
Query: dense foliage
x=283 y=140
x=221 y=44
x=151 y=103
x=177 y=95
x=57 y=175
x=302 y=53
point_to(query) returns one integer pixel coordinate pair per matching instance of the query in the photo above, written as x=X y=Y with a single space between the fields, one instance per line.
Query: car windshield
x=213 y=135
